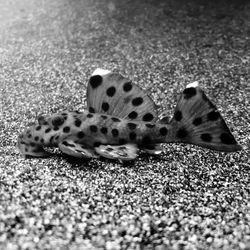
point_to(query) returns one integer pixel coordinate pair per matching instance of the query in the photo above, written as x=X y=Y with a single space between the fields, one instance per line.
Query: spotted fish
x=121 y=119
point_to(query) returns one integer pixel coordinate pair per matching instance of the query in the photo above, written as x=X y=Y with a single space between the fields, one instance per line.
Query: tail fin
x=197 y=121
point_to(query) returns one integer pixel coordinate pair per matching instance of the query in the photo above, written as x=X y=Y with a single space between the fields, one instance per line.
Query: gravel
x=186 y=198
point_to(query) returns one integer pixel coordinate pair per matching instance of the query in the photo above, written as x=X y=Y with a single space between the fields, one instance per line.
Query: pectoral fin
x=69 y=147
x=125 y=152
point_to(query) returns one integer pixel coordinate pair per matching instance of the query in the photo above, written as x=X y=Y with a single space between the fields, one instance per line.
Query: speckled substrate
x=187 y=198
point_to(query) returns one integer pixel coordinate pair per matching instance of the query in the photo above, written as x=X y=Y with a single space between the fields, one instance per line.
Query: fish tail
x=197 y=121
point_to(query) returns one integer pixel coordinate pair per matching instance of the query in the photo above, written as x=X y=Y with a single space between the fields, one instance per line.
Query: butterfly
x=122 y=119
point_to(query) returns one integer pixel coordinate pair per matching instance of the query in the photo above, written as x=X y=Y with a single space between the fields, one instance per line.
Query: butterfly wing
x=113 y=94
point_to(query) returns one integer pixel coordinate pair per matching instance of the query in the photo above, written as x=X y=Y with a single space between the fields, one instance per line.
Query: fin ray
x=197 y=121
x=113 y=94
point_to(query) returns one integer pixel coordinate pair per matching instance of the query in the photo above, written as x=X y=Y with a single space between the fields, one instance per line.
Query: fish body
x=121 y=118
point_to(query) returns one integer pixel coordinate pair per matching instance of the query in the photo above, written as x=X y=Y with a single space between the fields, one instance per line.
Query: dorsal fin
x=113 y=94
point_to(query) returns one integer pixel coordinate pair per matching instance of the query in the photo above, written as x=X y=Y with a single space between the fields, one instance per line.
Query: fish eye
x=57 y=121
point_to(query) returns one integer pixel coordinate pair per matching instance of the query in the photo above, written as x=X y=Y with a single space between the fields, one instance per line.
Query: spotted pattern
x=56 y=128
x=131 y=125
x=80 y=135
x=197 y=121
x=104 y=130
x=91 y=110
x=114 y=119
x=206 y=137
x=38 y=128
x=150 y=125
x=182 y=133
x=189 y=92
x=104 y=117
x=89 y=115
x=58 y=121
x=163 y=131
x=213 y=115
x=78 y=122
x=105 y=106
x=47 y=130
x=66 y=129
x=137 y=101
x=111 y=91
x=127 y=86
x=36 y=138
x=148 y=117
x=132 y=115
x=95 y=81
x=93 y=128
x=115 y=132
x=178 y=115
x=227 y=139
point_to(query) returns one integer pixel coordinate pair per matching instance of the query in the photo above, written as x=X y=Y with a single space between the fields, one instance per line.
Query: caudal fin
x=197 y=121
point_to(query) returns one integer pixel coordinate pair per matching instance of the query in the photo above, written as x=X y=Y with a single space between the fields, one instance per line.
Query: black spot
x=127 y=86
x=148 y=117
x=47 y=130
x=132 y=125
x=38 y=128
x=115 y=132
x=66 y=129
x=36 y=138
x=42 y=140
x=91 y=110
x=97 y=144
x=114 y=119
x=95 y=81
x=68 y=144
x=122 y=141
x=57 y=137
x=206 y=137
x=104 y=117
x=122 y=148
x=132 y=115
x=132 y=136
x=150 y=125
x=111 y=91
x=105 y=106
x=80 y=135
x=93 y=128
x=137 y=101
x=109 y=149
x=58 y=121
x=163 y=131
x=104 y=130
x=29 y=135
x=32 y=144
x=64 y=114
x=78 y=123
x=213 y=115
x=56 y=128
x=89 y=115
x=182 y=133
x=146 y=140
x=227 y=138
x=189 y=92
x=178 y=115
x=197 y=121
x=77 y=112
